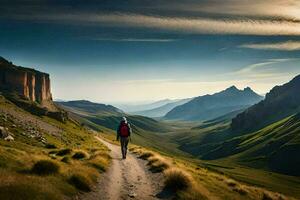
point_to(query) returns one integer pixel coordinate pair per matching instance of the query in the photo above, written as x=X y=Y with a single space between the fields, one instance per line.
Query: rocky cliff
x=27 y=83
x=280 y=102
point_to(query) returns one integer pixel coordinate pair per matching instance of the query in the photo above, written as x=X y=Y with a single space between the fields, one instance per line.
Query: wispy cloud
x=177 y=24
x=271 y=9
x=280 y=46
x=133 y=39
x=270 y=68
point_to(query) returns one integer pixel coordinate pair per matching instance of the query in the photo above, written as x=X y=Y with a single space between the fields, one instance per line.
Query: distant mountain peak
x=212 y=106
x=232 y=88
x=248 y=89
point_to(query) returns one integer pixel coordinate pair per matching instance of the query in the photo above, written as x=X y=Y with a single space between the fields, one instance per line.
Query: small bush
x=241 y=191
x=158 y=164
x=231 y=183
x=64 y=152
x=146 y=155
x=192 y=194
x=65 y=159
x=266 y=197
x=176 y=179
x=80 y=182
x=50 y=146
x=80 y=155
x=99 y=163
x=52 y=152
x=45 y=167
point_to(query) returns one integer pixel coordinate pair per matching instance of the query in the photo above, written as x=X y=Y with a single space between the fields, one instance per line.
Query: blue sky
x=134 y=50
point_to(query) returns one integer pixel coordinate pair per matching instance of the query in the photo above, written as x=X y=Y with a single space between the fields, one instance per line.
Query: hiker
x=124 y=131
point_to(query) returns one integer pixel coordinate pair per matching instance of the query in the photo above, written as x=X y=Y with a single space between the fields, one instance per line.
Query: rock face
x=27 y=83
x=280 y=102
x=29 y=89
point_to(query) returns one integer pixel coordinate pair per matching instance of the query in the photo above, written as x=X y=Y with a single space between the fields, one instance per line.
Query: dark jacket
x=119 y=129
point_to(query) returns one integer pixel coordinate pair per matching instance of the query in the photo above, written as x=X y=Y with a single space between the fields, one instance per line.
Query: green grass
x=177 y=180
x=80 y=182
x=25 y=159
x=45 y=167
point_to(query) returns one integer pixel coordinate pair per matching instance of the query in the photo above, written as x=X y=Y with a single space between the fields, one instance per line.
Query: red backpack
x=124 y=130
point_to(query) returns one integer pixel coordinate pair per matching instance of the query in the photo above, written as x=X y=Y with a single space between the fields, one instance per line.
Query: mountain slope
x=41 y=141
x=84 y=107
x=131 y=108
x=162 y=110
x=212 y=106
x=109 y=116
x=280 y=102
x=276 y=147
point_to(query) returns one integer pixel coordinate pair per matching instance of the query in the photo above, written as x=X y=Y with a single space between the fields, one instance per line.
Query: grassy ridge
x=31 y=168
x=190 y=180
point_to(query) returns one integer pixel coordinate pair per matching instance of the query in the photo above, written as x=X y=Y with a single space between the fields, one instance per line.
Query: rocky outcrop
x=29 y=89
x=280 y=102
x=27 y=83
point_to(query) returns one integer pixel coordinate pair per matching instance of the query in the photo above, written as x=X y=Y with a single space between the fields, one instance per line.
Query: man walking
x=123 y=132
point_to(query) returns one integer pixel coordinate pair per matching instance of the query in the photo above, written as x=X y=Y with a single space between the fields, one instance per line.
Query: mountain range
x=264 y=136
x=136 y=107
x=212 y=106
x=162 y=110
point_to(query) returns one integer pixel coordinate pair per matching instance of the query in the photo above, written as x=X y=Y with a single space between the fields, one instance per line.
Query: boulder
x=3 y=132
x=9 y=138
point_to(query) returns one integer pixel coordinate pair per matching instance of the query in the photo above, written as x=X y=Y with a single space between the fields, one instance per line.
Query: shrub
x=80 y=155
x=99 y=163
x=80 y=182
x=50 y=146
x=52 y=152
x=231 y=183
x=158 y=164
x=176 y=179
x=266 y=197
x=240 y=190
x=45 y=167
x=64 y=152
x=192 y=194
x=146 y=155
x=65 y=159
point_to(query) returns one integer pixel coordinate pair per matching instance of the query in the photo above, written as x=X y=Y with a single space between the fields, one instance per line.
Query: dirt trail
x=125 y=179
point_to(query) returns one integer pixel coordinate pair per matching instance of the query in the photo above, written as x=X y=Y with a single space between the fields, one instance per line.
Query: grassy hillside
x=281 y=102
x=146 y=131
x=108 y=116
x=47 y=159
x=193 y=179
x=273 y=148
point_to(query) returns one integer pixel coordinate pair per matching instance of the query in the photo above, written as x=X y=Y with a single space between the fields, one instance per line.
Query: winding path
x=125 y=179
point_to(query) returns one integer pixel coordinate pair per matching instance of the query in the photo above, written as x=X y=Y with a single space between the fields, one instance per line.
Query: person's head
x=124 y=120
